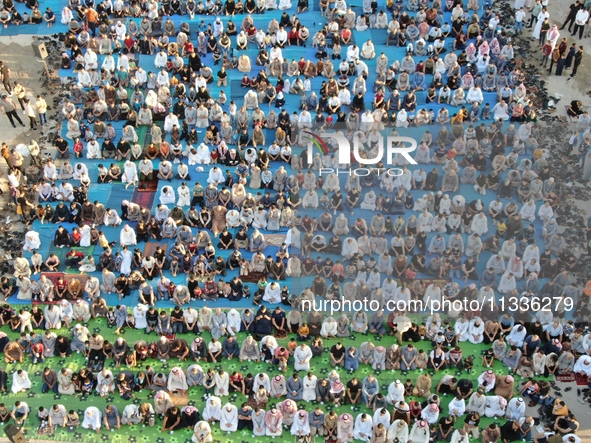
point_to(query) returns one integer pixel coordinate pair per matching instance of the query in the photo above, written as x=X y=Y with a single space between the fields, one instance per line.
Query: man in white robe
x=495 y=406
x=177 y=381
x=419 y=432
x=363 y=427
x=507 y=284
x=222 y=383
x=302 y=356
x=272 y=293
x=329 y=328
x=233 y=322
x=202 y=433
x=310 y=199
x=583 y=365
x=395 y=392
x=516 y=336
x=476 y=331
x=398 y=430
x=203 y=156
x=430 y=413
x=233 y=218
x=263 y=380
x=139 y=315
x=213 y=409
x=229 y=418
x=20 y=381
x=32 y=241
x=274 y=423
x=515 y=409
x=216 y=176
x=92 y=419
x=130 y=175
x=301 y=424
x=528 y=211
x=309 y=392
x=127 y=237
x=457 y=407
x=487 y=381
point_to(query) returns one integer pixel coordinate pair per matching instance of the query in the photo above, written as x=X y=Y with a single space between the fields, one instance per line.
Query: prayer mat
x=582 y=380
x=275 y=239
x=144 y=197
x=81 y=277
x=567 y=378
x=179 y=399
x=151 y=248
x=253 y=277
x=145 y=186
x=53 y=276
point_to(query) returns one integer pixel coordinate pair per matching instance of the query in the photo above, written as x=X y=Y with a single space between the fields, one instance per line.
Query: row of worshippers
x=286 y=412
x=553 y=348
x=286 y=417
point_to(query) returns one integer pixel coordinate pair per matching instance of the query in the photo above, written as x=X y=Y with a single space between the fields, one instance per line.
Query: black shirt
x=337 y=353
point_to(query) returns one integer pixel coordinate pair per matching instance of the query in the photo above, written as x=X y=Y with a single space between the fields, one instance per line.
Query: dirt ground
x=578 y=87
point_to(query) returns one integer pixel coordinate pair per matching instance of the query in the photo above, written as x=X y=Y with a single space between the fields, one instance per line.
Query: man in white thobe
x=302 y=356
x=229 y=418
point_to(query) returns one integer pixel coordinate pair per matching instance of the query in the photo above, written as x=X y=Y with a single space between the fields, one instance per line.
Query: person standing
x=572 y=13
x=570 y=56
x=9 y=108
x=535 y=11
x=20 y=93
x=577 y=62
x=30 y=112
x=519 y=16
x=41 y=106
x=91 y=20
x=5 y=74
x=580 y=22
x=560 y=64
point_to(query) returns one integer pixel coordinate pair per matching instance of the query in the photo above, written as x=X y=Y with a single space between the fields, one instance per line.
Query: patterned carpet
x=135 y=434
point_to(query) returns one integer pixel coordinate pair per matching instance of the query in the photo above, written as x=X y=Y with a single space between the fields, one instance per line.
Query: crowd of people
x=448 y=67
x=410 y=410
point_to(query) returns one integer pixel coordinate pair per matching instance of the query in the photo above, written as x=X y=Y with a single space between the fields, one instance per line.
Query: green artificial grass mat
x=136 y=434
